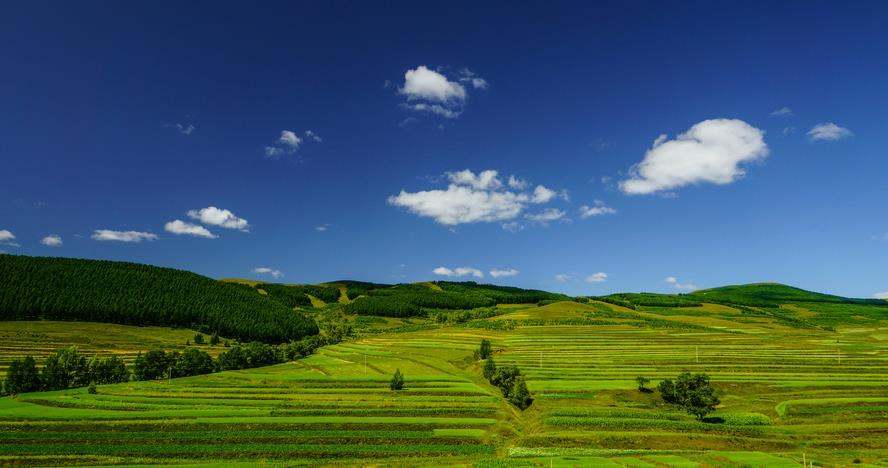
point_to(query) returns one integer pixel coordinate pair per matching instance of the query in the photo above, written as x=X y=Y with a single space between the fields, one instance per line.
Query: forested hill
x=135 y=294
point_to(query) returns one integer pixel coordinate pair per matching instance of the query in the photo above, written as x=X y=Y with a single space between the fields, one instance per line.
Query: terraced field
x=788 y=394
x=43 y=338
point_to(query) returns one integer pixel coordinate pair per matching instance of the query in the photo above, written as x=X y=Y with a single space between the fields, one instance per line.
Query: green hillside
x=771 y=295
x=133 y=294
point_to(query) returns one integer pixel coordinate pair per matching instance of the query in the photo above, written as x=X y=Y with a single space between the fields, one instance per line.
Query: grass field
x=787 y=392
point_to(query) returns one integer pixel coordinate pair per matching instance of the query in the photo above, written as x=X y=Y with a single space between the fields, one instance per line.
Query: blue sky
x=332 y=140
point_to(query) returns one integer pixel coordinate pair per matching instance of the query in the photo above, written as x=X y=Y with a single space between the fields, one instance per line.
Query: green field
x=787 y=391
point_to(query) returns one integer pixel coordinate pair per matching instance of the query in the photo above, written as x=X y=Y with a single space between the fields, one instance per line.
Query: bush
x=65 y=369
x=152 y=365
x=642 y=382
x=192 y=361
x=22 y=376
x=198 y=339
x=92 y=390
x=489 y=368
x=214 y=340
x=397 y=382
x=519 y=395
x=484 y=351
x=694 y=393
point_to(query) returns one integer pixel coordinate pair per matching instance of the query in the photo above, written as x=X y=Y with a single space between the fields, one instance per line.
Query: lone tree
x=397 y=382
x=198 y=339
x=694 y=393
x=484 y=351
x=642 y=382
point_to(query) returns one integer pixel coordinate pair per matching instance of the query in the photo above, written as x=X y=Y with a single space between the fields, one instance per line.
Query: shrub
x=198 y=339
x=519 y=395
x=642 y=382
x=694 y=393
x=397 y=382
x=489 y=368
x=484 y=351
x=22 y=376
x=92 y=390
x=214 y=340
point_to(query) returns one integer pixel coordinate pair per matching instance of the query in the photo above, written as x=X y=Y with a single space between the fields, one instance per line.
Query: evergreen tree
x=519 y=395
x=198 y=339
x=397 y=382
x=484 y=351
x=22 y=376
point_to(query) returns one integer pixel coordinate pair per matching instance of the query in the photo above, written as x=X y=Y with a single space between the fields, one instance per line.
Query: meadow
x=806 y=381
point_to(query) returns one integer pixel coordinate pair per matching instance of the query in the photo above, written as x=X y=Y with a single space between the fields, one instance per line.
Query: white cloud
x=513 y=226
x=881 y=295
x=431 y=91
x=268 y=271
x=673 y=281
x=518 y=183
x=710 y=151
x=287 y=143
x=6 y=236
x=219 y=217
x=181 y=227
x=182 y=128
x=485 y=180
x=782 y=112
x=788 y=130
x=542 y=194
x=322 y=227
x=122 y=236
x=599 y=209
x=599 y=277
x=314 y=136
x=546 y=216
x=471 y=198
x=423 y=83
x=501 y=273
x=563 y=278
x=828 y=132
x=52 y=240
x=461 y=271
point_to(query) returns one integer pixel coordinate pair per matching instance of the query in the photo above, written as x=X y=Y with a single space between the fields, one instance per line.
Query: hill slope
x=771 y=295
x=134 y=294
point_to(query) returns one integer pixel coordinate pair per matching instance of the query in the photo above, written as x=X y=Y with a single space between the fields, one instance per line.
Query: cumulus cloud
x=673 y=281
x=563 y=278
x=543 y=194
x=322 y=227
x=287 y=143
x=52 y=240
x=485 y=180
x=518 y=183
x=268 y=271
x=599 y=277
x=122 y=236
x=8 y=238
x=180 y=227
x=431 y=91
x=598 y=209
x=461 y=271
x=782 y=112
x=469 y=198
x=219 y=217
x=513 y=226
x=709 y=152
x=546 y=216
x=496 y=273
x=881 y=295
x=828 y=132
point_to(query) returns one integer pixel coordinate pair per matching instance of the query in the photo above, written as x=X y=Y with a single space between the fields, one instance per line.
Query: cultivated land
x=797 y=380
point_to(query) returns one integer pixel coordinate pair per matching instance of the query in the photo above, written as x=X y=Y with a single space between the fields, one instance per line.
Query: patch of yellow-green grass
x=248 y=282
x=555 y=311
x=315 y=302
x=43 y=338
x=430 y=285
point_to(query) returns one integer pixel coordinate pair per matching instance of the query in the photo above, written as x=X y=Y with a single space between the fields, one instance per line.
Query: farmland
x=785 y=392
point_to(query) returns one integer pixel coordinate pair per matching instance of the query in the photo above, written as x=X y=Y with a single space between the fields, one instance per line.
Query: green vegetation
x=693 y=393
x=757 y=385
x=772 y=295
x=132 y=294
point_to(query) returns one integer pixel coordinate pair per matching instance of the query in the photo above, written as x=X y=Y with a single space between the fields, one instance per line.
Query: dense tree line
x=631 y=300
x=297 y=295
x=501 y=294
x=510 y=382
x=359 y=288
x=134 y=294
x=67 y=368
